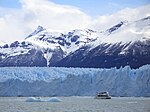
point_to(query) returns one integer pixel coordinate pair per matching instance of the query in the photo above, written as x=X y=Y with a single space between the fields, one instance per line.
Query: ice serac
x=126 y=43
x=53 y=81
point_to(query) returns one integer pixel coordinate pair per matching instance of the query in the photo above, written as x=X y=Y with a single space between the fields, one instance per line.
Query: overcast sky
x=18 y=18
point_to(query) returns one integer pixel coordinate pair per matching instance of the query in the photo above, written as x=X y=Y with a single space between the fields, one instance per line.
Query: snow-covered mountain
x=53 y=81
x=126 y=43
x=67 y=41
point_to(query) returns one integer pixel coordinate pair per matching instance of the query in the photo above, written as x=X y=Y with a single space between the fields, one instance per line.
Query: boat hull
x=102 y=97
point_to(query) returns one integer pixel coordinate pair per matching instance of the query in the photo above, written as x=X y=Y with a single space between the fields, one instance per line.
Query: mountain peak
x=38 y=29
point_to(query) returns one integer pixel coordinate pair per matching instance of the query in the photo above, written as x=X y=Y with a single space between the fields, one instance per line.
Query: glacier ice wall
x=53 y=81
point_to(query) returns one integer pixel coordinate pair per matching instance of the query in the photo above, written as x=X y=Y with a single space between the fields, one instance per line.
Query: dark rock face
x=56 y=56
x=74 y=38
x=5 y=46
x=108 y=55
x=32 y=58
x=115 y=27
x=15 y=44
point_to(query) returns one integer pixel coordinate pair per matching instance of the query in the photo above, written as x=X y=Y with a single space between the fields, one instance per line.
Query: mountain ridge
x=125 y=40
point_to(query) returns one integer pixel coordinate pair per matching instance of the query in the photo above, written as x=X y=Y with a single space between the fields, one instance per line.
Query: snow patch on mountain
x=13 y=51
x=2 y=43
x=48 y=56
x=125 y=32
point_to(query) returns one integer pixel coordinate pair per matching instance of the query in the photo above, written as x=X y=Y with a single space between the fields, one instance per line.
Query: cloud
x=16 y=24
x=53 y=15
x=128 y=14
x=10 y=27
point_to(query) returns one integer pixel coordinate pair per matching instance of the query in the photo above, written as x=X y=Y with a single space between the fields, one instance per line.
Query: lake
x=76 y=104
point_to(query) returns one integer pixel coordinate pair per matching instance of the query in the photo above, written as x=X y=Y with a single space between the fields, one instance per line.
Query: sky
x=18 y=18
x=91 y=7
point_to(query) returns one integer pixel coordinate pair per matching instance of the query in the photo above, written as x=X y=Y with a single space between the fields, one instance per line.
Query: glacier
x=61 y=81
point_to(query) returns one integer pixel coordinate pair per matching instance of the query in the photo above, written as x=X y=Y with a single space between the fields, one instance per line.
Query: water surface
x=76 y=104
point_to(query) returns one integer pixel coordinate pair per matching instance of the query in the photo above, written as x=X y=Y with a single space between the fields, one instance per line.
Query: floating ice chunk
x=38 y=99
x=54 y=99
x=33 y=99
